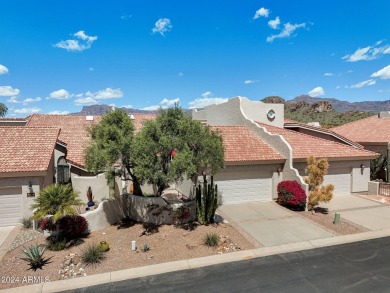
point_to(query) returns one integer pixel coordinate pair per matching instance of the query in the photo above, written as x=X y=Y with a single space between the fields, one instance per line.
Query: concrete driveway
x=367 y=213
x=4 y=232
x=271 y=224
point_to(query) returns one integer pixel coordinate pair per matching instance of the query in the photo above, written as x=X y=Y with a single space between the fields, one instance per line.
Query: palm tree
x=57 y=200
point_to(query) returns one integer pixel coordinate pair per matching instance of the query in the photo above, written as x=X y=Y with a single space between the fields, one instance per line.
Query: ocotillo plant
x=206 y=201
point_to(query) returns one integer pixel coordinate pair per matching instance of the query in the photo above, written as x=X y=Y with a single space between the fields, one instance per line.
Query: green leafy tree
x=3 y=110
x=57 y=200
x=378 y=167
x=174 y=146
x=111 y=143
x=316 y=170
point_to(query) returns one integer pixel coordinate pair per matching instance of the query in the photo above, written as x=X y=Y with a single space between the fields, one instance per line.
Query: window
x=63 y=173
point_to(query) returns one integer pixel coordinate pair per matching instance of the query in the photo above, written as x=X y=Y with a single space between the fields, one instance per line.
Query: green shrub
x=92 y=255
x=34 y=256
x=26 y=222
x=145 y=247
x=103 y=246
x=56 y=245
x=211 y=240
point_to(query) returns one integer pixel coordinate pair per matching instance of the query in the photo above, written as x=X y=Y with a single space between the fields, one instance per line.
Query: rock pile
x=226 y=245
x=71 y=267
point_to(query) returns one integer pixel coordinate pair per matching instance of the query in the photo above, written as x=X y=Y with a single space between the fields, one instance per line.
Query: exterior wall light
x=362 y=168
x=30 y=192
x=279 y=170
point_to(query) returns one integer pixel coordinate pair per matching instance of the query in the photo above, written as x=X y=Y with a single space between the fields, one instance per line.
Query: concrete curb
x=116 y=276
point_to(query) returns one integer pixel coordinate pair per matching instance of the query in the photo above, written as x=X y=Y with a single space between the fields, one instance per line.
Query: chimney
x=384 y=114
x=89 y=118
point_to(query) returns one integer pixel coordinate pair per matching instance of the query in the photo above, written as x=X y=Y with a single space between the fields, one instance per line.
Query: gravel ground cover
x=169 y=243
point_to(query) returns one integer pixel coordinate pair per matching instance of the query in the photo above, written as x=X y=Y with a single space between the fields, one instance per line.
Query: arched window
x=63 y=173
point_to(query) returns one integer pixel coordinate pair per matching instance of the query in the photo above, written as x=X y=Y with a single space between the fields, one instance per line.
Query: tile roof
x=368 y=130
x=241 y=144
x=74 y=131
x=304 y=145
x=292 y=124
x=26 y=149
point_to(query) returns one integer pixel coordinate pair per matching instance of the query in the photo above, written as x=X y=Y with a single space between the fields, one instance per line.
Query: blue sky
x=56 y=56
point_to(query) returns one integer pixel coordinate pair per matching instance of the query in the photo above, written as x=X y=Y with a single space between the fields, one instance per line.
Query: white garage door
x=11 y=206
x=341 y=179
x=239 y=187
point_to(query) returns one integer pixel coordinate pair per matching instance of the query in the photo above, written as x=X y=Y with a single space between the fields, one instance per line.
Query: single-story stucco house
x=348 y=162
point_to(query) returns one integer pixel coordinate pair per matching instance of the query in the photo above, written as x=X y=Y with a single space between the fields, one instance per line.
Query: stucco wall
x=241 y=111
x=143 y=209
x=98 y=184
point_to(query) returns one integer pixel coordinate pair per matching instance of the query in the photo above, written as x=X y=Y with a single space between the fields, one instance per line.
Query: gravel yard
x=170 y=243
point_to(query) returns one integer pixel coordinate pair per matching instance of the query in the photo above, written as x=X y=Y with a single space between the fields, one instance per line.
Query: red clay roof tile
x=241 y=144
x=26 y=149
x=304 y=145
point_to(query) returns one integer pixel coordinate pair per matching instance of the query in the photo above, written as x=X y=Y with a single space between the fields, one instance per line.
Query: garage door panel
x=241 y=187
x=11 y=206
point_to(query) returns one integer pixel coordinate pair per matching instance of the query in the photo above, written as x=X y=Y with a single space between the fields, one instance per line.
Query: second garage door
x=239 y=187
x=11 y=206
x=341 y=179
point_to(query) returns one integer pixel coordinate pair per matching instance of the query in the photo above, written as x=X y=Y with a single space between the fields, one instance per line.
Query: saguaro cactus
x=206 y=201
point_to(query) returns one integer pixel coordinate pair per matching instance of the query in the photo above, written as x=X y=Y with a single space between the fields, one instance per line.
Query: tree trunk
x=136 y=186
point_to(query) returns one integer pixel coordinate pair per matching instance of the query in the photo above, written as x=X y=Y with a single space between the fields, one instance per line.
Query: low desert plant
x=145 y=247
x=104 y=246
x=92 y=255
x=291 y=195
x=34 y=256
x=56 y=245
x=26 y=222
x=211 y=239
x=68 y=227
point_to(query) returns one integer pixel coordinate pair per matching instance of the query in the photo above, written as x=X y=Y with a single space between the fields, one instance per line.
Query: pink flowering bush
x=291 y=195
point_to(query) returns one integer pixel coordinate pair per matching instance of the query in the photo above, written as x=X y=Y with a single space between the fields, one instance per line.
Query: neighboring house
x=373 y=133
x=26 y=167
x=348 y=162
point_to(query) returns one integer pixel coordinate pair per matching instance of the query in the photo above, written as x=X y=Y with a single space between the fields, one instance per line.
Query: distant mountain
x=103 y=109
x=343 y=106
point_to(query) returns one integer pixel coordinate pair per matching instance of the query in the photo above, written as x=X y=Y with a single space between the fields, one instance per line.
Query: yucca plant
x=26 y=222
x=92 y=255
x=34 y=256
x=211 y=239
x=145 y=247
x=57 y=200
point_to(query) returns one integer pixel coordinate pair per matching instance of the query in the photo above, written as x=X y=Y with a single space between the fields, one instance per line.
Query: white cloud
x=13 y=100
x=328 y=74
x=82 y=42
x=60 y=95
x=85 y=101
x=3 y=69
x=164 y=104
x=108 y=93
x=162 y=26
x=206 y=100
x=262 y=12
x=91 y=69
x=127 y=106
x=384 y=73
x=274 y=24
x=84 y=37
x=368 y=53
x=27 y=110
x=287 y=31
x=249 y=81
x=316 y=92
x=363 y=83
x=31 y=100
x=57 y=112
x=8 y=91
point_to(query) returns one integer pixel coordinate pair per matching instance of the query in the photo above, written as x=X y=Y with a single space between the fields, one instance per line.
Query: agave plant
x=34 y=256
x=57 y=200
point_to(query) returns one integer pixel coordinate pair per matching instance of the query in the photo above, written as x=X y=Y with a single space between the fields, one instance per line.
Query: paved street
x=356 y=267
